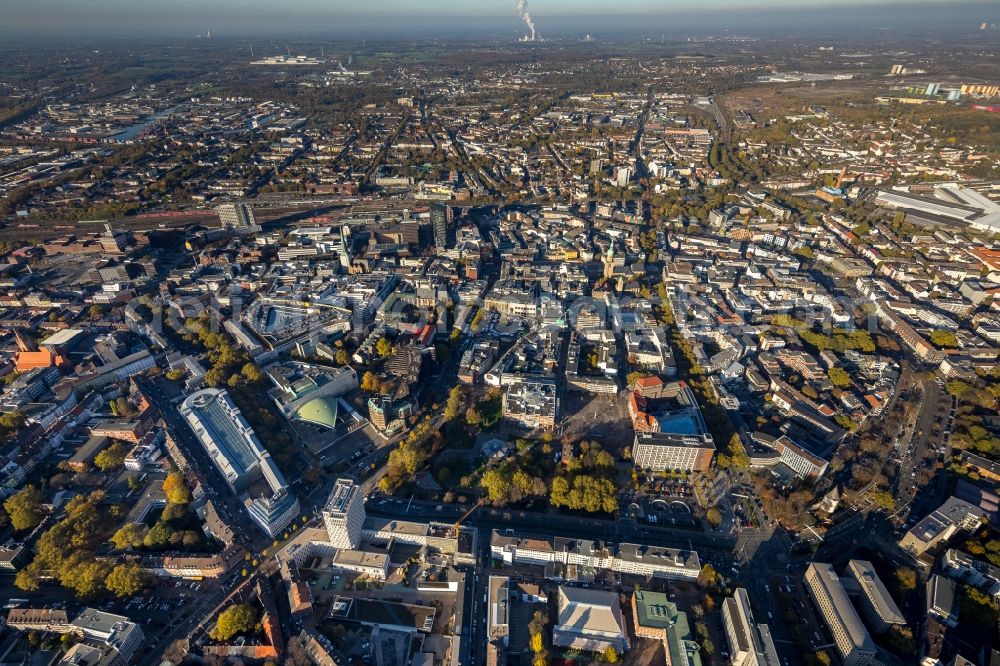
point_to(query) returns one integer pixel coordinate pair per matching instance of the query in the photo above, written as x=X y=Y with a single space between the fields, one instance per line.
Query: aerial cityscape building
x=402 y=335
x=236 y=452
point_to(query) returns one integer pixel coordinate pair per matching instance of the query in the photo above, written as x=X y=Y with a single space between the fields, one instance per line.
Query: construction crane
x=458 y=523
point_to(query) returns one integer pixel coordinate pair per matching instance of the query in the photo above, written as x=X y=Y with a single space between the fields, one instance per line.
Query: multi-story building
x=388 y=616
x=941 y=600
x=670 y=430
x=986 y=469
x=107 y=640
x=388 y=414
x=939 y=526
x=308 y=393
x=241 y=459
x=980 y=89
x=909 y=335
x=750 y=644
x=146 y=452
x=532 y=404
x=629 y=558
x=508 y=599
x=512 y=300
x=83 y=457
x=877 y=605
x=114 y=371
x=13 y=556
x=275 y=511
x=853 y=642
x=114 y=631
x=440 y=538
x=589 y=620
x=203 y=566
x=314 y=543
x=38 y=619
x=476 y=360
x=800 y=461
x=961 y=567
x=656 y=562
x=648 y=347
x=661 y=451
x=440 y=214
x=237 y=216
x=344 y=514
x=373 y=565
x=657 y=618
x=227 y=437
x=126 y=431
x=380 y=411
x=623 y=174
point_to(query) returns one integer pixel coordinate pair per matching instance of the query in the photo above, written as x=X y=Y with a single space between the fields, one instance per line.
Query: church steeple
x=609 y=261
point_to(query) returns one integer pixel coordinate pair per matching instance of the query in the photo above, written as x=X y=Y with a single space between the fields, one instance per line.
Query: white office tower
x=344 y=515
x=750 y=644
x=237 y=216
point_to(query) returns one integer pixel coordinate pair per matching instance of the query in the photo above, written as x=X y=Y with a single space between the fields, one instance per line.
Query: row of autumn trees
x=171 y=530
x=976 y=399
x=67 y=551
x=419 y=445
x=586 y=481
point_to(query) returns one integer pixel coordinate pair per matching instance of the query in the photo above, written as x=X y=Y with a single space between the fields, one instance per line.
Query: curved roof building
x=308 y=392
x=319 y=411
x=239 y=456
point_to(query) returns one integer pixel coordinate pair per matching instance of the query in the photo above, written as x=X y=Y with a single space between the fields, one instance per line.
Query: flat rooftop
x=340 y=497
x=677 y=557
x=376 y=524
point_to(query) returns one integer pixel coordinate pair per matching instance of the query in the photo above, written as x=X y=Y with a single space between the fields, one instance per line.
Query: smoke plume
x=522 y=11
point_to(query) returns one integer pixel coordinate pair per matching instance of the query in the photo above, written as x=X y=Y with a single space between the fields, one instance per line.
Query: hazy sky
x=38 y=9
x=236 y=16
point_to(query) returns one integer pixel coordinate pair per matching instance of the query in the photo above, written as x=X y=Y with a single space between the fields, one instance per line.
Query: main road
x=720 y=120
x=636 y=147
x=904 y=485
